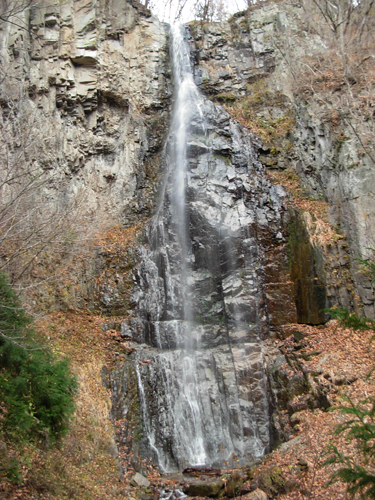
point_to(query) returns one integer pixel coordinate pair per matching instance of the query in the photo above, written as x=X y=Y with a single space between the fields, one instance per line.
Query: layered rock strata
x=92 y=78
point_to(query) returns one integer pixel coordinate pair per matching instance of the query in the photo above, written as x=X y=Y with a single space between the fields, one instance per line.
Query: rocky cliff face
x=255 y=61
x=199 y=297
x=93 y=79
x=230 y=204
x=92 y=82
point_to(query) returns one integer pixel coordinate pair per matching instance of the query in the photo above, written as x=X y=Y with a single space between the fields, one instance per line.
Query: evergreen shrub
x=36 y=390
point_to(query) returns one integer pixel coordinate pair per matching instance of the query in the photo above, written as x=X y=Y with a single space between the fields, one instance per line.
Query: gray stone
x=88 y=69
x=225 y=293
x=257 y=494
x=139 y=480
x=232 y=55
x=233 y=485
x=292 y=444
x=97 y=93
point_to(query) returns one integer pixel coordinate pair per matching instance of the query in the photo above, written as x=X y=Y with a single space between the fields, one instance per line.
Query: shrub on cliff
x=350 y=320
x=36 y=391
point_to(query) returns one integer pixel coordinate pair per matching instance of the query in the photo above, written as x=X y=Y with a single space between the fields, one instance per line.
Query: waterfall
x=199 y=316
x=187 y=103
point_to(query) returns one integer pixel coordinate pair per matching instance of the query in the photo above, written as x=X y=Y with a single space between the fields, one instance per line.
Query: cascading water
x=199 y=301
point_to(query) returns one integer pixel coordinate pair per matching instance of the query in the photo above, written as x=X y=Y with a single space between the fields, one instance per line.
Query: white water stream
x=187 y=419
x=192 y=409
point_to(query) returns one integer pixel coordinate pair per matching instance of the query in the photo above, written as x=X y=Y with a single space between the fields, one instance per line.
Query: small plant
x=10 y=468
x=358 y=474
x=351 y=320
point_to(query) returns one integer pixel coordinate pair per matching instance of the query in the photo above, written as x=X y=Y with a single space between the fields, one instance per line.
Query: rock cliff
x=254 y=65
x=91 y=82
x=93 y=79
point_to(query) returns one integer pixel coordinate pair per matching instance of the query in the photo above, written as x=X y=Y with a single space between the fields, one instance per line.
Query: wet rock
x=297 y=385
x=172 y=495
x=233 y=485
x=231 y=56
x=270 y=481
x=199 y=470
x=208 y=488
x=309 y=288
x=229 y=202
x=196 y=148
x=281 y=306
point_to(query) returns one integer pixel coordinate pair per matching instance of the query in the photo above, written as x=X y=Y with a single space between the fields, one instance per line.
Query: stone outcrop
x=254 y=56
x=94 y=78
x=206 y=397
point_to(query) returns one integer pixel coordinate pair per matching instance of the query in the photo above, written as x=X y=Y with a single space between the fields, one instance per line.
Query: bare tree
x=250 y=3
x=210 y=10
x=11 y=10
x=347 y=20
x=203 y=10
x=32 y=221
x=345 y=74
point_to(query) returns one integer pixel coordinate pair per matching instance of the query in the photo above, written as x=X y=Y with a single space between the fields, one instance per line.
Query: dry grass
x=266 y=113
